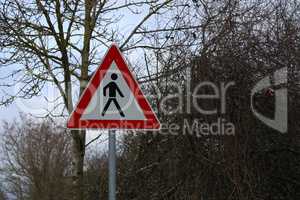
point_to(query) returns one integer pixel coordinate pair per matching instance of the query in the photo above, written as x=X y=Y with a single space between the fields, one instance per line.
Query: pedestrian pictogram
x=113 y=89
x=113 y=99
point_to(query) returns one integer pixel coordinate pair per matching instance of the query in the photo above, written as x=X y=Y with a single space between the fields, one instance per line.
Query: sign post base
x=112 y=164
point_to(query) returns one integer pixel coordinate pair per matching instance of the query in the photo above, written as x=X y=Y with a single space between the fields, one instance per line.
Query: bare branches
x=66 y=37
x=93 y=140
x=152 y=12
x=36 y=155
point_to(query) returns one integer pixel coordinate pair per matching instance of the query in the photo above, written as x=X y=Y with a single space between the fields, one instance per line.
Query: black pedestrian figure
x=112 y=93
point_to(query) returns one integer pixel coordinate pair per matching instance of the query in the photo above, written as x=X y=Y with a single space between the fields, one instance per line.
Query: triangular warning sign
x=113 y=99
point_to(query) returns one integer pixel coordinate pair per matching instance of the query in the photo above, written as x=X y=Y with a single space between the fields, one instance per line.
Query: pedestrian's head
x=114 y=76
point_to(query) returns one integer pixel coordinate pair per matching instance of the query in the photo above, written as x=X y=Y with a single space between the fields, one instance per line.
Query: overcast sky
x=36 y=106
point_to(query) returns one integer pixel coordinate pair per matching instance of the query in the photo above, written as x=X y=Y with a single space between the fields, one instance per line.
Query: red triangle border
x=113 y=54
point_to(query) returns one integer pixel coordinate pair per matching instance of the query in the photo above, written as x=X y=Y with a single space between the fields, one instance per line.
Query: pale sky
x=36 y=105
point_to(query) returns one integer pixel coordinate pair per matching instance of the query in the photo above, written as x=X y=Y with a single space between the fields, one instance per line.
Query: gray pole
x=112 y=165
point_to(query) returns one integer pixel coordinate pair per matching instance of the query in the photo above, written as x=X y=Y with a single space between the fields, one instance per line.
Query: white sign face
x=113 y=100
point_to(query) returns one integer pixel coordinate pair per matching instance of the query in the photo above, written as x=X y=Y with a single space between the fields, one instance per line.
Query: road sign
x=113 y=99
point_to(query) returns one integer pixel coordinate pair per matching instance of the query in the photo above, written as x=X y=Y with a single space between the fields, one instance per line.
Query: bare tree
x=239 y=41
x=36 y=160
x=59 y=42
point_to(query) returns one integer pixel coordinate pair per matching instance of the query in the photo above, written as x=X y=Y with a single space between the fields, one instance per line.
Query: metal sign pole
x=112 y=165
x=117 y=93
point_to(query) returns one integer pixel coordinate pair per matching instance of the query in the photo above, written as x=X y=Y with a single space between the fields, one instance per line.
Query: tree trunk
x=78 y=151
